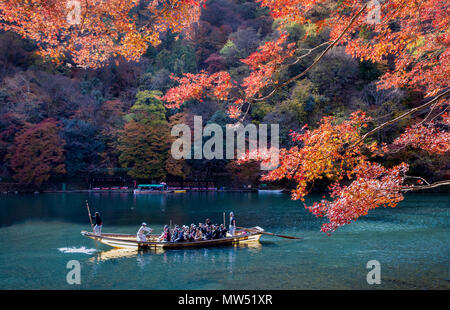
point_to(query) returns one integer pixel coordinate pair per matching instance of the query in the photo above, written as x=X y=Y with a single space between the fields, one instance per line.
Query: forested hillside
x=62 y=123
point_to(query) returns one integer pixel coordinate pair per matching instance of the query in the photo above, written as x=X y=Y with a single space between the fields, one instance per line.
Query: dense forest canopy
x=359 y=88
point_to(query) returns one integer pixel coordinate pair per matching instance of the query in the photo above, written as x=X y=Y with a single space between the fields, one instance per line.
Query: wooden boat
x=130 y=241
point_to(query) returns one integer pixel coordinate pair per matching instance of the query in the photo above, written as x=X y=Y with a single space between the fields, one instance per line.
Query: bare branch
x=407 y=113
x=332 y=44
x=422 y=187
x=419 y=178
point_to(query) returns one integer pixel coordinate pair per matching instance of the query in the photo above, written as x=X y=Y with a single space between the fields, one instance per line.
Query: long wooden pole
x=89 y=213
x=90 y=220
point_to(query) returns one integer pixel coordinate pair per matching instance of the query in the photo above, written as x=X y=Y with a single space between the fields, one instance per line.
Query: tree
x=410 y=38
x=92 y=32
x=177 y=167
x=83 y=147
x=144 y=143
x=37 y=153
x=246 y=173
x=343 y=151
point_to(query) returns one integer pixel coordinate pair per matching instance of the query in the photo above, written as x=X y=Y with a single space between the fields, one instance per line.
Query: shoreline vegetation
x=440 y=190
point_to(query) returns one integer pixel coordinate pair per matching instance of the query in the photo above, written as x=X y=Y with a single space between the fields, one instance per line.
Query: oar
x=268 y=233
x=92 y=224
x=89 y=213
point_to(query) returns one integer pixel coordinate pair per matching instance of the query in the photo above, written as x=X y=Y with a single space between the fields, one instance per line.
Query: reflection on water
x=112 y=254
x=186 y=257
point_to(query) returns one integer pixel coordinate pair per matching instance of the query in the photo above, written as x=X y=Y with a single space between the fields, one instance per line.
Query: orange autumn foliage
x=91 y=32
x=411 y=36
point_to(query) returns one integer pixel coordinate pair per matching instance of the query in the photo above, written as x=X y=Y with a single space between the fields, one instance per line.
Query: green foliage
x=260 y=109
x=180 y=58
x=305 y=102
x=145 y=141
x=144 y=149
x=148 y=107
x=229 y=50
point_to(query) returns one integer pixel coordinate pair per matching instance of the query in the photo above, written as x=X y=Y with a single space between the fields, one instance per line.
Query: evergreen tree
x=144 y=143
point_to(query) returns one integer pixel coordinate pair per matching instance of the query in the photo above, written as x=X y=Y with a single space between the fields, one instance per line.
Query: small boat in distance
x=152 y=189
x=130 y=242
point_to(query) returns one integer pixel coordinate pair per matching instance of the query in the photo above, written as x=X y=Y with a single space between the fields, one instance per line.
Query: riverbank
x=131 y=191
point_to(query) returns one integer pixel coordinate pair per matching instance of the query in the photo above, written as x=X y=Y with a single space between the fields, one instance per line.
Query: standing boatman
x=141 y=234
x=98 y=223
x=232 y=223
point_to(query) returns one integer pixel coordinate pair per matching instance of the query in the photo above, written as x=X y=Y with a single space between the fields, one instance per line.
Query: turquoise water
x=41 y=233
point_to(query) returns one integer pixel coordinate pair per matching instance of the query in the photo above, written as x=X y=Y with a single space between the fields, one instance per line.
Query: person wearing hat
x=142 y=232
x=98 y=223
x=232 y=224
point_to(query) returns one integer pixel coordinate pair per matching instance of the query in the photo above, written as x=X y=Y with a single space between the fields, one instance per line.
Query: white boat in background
x=270 y=191
x=152 y=189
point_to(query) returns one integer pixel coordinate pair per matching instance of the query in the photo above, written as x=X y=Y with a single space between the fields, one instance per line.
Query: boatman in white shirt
x=143 y=231
x=232 y=224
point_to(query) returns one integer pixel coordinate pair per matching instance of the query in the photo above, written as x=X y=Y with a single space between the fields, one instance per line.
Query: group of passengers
x=206 y=231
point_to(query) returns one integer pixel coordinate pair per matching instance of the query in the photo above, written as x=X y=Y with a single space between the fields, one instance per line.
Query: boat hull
x=129 y=241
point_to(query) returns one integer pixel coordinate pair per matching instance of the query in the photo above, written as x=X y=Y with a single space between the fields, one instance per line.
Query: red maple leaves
x=330 y=151
x=374 y=186
x=195 y=86
x=264 y=62
x=427 y=137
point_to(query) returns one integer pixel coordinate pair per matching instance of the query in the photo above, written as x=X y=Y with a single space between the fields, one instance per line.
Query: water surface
x=41 y=233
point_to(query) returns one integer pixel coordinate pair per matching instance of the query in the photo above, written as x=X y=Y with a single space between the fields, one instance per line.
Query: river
x=41 y=233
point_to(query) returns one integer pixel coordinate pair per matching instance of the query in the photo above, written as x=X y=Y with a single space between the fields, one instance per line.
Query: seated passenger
x=198 y=234
x=215 y=232
x=185 y=232
x=165 y=236
x=208 y=222
x=223 y=231
x=192 y=232
x=175 y=233
x=180 y=235
x=208 y=233
x=202 y=228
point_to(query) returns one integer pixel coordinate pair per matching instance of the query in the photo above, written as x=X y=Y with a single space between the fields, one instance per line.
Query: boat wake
x=78 y=250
